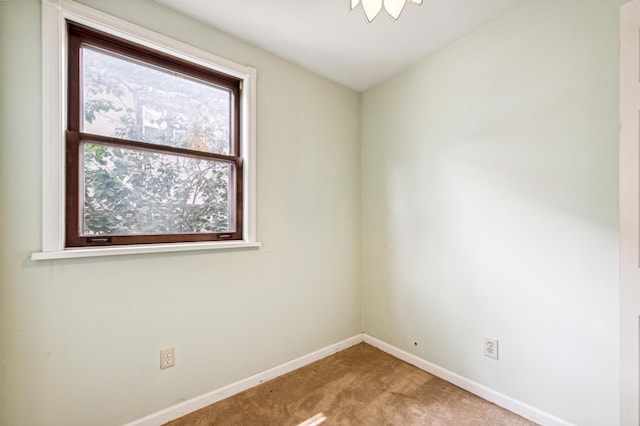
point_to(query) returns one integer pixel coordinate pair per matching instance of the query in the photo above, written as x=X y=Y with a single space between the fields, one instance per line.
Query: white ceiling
x=325 y=37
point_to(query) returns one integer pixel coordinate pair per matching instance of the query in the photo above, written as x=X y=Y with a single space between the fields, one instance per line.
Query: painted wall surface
x=80 y=339
x=489 y=175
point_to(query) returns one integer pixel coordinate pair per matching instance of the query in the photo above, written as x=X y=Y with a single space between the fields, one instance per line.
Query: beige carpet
x=358 y=386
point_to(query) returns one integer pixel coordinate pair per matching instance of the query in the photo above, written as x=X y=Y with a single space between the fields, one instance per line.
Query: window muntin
x=152 y=147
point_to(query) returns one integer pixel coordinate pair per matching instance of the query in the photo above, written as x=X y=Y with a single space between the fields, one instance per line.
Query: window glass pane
x=127 y=99
x=130 y=192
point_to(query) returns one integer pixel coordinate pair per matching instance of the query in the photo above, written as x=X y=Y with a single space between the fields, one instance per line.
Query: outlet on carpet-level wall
x=167 y=358
x=491 y=347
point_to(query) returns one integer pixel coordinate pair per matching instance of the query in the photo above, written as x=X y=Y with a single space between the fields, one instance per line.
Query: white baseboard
x=482 y=391
x=186 y=407
x=504 y=401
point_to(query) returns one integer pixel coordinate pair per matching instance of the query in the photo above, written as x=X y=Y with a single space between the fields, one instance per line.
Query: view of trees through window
x=133 y=190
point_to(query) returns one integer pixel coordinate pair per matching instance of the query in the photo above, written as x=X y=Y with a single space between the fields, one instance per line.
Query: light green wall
x=80 y=339
x=489 y=208
x=489 y=174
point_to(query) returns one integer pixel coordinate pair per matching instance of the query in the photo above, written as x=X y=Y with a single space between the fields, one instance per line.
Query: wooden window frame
x=79 y=35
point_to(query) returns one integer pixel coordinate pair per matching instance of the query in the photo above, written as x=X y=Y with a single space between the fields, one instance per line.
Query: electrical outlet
x=491 y=347
x=167 y=358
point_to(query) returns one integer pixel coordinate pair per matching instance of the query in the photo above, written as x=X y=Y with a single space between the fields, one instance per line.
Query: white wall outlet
x=167 y=358
x=491 y=347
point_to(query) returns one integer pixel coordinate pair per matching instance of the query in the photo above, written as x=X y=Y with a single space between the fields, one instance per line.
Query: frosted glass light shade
x=373 y=7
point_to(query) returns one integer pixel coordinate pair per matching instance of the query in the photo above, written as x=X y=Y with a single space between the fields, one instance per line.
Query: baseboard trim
x=484 y=392
x=186 y=407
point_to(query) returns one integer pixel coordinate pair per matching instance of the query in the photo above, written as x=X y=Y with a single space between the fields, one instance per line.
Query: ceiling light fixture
x=373 y=7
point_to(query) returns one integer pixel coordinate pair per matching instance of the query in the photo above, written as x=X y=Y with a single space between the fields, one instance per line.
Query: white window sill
x=140 y=249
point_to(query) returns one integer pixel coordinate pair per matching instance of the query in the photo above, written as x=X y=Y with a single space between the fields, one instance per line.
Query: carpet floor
x=358 y=386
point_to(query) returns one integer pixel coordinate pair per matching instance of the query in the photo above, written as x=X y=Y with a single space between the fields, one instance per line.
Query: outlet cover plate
x=491 y=347
x=167 y=358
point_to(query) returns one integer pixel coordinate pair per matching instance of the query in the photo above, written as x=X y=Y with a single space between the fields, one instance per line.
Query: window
x=152 y=146
x=149 y=144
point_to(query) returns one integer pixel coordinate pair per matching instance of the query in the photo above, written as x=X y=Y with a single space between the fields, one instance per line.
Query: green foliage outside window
x=134 y=191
